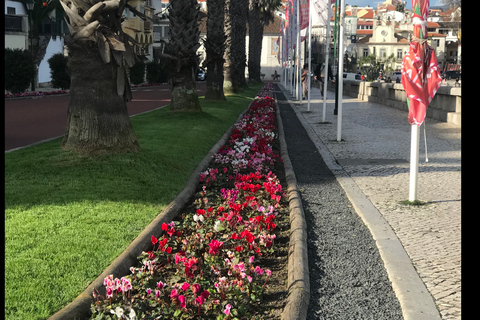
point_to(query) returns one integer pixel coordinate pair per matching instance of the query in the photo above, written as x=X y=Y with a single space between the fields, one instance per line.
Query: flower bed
x=34 y=94
x=208 y=264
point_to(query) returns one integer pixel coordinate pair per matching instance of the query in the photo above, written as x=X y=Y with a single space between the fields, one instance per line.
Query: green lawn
x=67 y=217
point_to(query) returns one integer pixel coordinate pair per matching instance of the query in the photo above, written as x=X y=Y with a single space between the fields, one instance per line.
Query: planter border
x=298 y=285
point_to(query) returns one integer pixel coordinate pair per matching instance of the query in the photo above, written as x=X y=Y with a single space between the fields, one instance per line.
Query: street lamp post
x=30 y=4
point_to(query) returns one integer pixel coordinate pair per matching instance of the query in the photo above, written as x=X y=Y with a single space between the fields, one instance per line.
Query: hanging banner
x=304 y=13
x=320 y=8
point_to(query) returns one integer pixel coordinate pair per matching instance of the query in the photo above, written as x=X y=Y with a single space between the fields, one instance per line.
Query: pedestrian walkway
x=374 y=151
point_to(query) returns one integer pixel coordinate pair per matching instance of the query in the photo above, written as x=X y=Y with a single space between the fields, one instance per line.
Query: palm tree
x=184 y=16
x=235 y=31
x=261 y=13
x=99 y=57
x=215 y=48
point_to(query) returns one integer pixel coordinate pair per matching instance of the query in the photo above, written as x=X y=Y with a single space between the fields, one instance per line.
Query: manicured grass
x=67 y=217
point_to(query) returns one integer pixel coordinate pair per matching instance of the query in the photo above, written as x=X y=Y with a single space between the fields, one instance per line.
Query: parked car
x=351 y=76
x=452 y=75
x=201 y=75
x=396 y=75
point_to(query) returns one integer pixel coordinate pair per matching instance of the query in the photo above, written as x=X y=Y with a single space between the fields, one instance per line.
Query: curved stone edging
x=298 y=284
x=79 y=308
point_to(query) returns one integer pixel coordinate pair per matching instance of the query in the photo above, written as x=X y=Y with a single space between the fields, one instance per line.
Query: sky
x=374 y=3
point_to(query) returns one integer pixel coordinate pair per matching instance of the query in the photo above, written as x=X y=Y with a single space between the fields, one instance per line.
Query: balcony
x=13 y=24
x=147 y=25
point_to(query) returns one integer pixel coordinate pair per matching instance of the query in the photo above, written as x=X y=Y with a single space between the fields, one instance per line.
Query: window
x=365 y=52
x=11 y=10
x=399 y=54
x=383 y=53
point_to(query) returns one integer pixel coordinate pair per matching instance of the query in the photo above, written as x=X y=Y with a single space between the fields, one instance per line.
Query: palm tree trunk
x=235 y=31
x=182 y=49
x=255 y=35
x=97 y=117
x=215 y=48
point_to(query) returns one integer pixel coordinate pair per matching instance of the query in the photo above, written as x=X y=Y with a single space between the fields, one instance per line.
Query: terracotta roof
x=432 y=24
x=360 y=31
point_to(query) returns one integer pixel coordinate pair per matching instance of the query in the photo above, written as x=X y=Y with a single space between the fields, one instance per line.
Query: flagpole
x=309 y=51
x=299 y=55
x=414 y=151
x=340 y=71
x=327 y=50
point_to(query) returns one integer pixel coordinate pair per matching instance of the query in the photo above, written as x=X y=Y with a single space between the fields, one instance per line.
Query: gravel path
x=347 y=276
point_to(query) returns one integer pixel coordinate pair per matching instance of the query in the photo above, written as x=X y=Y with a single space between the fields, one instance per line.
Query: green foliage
x=19 y=70
x=59 y=71
x=137 y=73
x=156 y=73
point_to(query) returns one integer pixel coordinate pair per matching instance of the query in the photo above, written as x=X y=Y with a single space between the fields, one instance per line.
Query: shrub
x=156 y=73
x=19 y=70
x=137 y=72
x=59 y=71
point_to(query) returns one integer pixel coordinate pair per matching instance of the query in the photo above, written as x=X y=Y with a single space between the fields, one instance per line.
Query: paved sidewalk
x=374 y=151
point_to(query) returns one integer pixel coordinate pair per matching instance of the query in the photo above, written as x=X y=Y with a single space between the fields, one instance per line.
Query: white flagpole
x=309 y=51
x=327 y=50
x=299 y=55
x=414 y=146
x=340 y=72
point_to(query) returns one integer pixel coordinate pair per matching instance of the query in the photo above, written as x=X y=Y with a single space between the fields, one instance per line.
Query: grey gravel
x=347 y=277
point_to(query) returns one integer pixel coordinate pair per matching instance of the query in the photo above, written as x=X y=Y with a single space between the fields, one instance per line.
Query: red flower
x=164 y=226
x=200 y=211
x=215 y=246
x=239 y=248
x=154 y=240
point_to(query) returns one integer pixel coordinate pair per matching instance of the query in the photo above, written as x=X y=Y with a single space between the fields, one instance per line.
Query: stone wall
x=445 y=106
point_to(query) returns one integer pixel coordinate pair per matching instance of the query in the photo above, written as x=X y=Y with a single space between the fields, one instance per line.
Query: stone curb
x=298 y=285
x=415 y=300
x=79 y=308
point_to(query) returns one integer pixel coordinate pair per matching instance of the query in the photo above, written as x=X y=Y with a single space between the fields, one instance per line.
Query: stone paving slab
x=431 y=233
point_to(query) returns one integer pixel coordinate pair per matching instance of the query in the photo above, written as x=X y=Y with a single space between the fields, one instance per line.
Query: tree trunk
x=255 y=33
x=182 y=52
x=184 y=91
x=235 y=31
x=97 y=117
x=215 y=48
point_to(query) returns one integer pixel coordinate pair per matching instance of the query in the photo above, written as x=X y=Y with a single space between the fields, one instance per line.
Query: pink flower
x=249 y=279
x=195 y=288
x=215 y=246
x=109 y=292
x=157 y=293
x=173 y=294
x=149 y=290
x=269 y=272
x=185 y=286
x=205 y=294
x=200 y=300
x=227 y=309
x=160 y=284
x=181 y=298
x=250 y=260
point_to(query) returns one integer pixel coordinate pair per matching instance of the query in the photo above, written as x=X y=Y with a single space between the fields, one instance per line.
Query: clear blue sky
x=374 y=3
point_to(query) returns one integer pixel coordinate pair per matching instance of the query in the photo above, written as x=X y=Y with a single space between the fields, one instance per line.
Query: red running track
x=31 y=120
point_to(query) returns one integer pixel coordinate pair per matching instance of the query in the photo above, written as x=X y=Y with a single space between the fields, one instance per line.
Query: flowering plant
x=208 y=264
x=34 y=93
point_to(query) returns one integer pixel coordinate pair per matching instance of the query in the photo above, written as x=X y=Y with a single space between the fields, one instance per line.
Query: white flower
x=217 y=224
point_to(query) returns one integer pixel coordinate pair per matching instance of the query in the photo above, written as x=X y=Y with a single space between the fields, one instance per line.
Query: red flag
x=420 y=71
x=304 y=13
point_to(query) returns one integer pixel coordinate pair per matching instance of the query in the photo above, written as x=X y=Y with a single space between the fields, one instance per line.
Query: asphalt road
x=31 y=120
